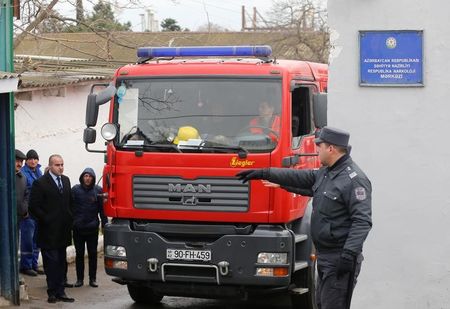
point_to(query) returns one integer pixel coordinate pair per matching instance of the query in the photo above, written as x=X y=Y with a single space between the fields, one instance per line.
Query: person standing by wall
x=88 y=206
x=341 y=217
x=22 y=192
x=51 y=206
x=29 y=251
x=22 y=195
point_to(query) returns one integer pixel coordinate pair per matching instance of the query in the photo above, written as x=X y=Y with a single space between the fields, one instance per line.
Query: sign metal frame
x=391 y=58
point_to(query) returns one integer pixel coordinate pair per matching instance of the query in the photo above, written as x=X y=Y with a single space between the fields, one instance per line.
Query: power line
x=216 y=16
x=215 y=6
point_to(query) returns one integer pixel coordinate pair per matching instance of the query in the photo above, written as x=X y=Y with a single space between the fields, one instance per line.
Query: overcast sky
x=188 y=13
x=194 y=13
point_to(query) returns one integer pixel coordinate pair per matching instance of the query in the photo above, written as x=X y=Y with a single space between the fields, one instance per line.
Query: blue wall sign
x=391 y=58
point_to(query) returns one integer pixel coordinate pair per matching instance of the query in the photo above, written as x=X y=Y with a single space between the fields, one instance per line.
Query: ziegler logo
x=189 y=188
x=235 y=162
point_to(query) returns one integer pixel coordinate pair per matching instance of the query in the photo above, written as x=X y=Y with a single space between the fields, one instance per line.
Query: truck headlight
x=272 y=258
x=116 y=251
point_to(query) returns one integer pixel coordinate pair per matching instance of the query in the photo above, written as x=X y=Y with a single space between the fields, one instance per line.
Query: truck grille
x=202 y=194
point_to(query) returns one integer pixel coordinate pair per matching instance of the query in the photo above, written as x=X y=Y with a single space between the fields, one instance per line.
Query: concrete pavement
x=35 y=287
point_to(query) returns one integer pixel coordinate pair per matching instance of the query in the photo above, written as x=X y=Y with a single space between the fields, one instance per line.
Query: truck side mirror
x=94 y=100
x=89 y=135
x=320 y=107
x=91 y=110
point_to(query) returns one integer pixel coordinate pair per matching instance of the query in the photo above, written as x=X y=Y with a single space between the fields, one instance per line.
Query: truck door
x=302 y=126
x=303 y=148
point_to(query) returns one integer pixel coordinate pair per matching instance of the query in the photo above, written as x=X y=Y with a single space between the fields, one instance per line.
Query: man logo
x=189 y=188
x=191 y=201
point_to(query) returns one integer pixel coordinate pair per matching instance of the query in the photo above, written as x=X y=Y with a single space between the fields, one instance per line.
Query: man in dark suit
x=51 y=205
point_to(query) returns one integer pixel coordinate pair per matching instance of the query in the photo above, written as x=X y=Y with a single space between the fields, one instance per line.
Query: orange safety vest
x=276 y=125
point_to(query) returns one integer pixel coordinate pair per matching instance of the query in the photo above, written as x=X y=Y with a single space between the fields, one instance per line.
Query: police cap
x=333 y=136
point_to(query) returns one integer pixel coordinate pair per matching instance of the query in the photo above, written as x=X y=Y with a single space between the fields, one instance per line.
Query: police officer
x=341 y=216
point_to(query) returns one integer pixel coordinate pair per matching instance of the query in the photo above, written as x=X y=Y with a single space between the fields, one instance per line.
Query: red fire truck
x=182 y=122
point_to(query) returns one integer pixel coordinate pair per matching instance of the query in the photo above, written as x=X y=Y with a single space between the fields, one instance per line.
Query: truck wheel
x=305 y=278
x=143 y=294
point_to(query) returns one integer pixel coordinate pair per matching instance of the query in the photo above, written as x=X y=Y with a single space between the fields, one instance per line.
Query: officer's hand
x=269 y=184
x=345 y=265
x=247 y=175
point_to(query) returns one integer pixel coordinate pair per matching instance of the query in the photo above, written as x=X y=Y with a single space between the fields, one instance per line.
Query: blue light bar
x=205 y=51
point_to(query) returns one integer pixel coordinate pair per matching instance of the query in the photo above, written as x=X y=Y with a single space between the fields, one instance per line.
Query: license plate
x=188 y=255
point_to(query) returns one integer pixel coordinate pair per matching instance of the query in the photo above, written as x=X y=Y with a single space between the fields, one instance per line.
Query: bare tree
x=80 y=11
x=211 y=27
x=303 y=28
x=41 y=12
x=39 y=17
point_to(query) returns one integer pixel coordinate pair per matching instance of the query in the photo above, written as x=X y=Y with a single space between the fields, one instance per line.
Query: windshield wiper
x=152 y=146
x=242 y=152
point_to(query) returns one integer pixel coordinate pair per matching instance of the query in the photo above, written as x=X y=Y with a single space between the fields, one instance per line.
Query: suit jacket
x=52 y=211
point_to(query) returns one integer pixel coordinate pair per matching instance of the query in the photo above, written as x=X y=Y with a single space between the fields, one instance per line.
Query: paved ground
x=110 y=295
x=85 y=296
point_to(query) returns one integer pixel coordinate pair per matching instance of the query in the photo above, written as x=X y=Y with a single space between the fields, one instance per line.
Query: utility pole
x=9 y=278
x=143 y=28
x=255 y=21
x=254 y=18
x=244 y=26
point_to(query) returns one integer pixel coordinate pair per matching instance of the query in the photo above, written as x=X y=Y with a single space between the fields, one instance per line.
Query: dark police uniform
x=340 y=220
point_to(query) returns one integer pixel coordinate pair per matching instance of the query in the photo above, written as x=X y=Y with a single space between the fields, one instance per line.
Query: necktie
x=59 y=184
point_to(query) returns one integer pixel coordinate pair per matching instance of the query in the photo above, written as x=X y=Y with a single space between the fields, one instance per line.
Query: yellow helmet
x=186 y=133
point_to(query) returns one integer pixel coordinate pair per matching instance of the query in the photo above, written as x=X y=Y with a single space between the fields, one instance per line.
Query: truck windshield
x=211 y=113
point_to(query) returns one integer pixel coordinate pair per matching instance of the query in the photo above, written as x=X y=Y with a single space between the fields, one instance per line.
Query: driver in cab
x=266 y=122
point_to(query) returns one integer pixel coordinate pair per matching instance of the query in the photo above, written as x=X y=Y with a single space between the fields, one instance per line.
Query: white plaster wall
x=54 y=125
x=400 y=138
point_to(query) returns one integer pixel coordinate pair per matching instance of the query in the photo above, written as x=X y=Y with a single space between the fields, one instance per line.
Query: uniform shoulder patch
x=360 y=193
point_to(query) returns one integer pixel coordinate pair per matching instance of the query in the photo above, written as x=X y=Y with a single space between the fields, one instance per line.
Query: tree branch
x=39 y=18
x=60 y=41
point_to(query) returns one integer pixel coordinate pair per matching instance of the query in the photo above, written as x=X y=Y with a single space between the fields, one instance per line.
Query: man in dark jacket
x=51 y=206
x=29 y=251
x=21 y=188
x=88 y=206
x=341 y=217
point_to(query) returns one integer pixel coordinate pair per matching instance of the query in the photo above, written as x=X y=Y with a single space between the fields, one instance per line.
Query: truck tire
x=305 y=278
x=143 y=294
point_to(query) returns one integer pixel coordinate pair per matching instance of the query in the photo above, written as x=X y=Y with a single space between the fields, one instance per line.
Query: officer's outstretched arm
x=289 y=178
x=292 y=180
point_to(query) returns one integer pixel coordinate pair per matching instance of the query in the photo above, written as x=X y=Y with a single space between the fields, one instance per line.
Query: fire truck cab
x=183 y=122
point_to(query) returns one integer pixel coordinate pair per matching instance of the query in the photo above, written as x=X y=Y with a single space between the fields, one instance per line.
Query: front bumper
x=237 y=251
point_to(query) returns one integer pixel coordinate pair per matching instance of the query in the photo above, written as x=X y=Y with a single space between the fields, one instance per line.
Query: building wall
x=54 y=125
x=400 y=138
